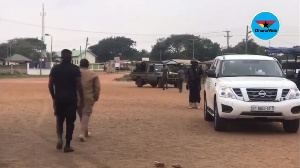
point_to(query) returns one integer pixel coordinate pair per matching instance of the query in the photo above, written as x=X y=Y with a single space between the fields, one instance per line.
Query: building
x=77 y=56
x=17 y=59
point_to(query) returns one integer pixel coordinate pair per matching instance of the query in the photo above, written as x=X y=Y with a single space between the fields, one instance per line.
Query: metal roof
x=244 y=57
x=17 y=58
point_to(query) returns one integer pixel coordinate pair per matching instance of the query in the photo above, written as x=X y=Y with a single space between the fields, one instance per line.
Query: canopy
x=172 y=63
x=283 y=50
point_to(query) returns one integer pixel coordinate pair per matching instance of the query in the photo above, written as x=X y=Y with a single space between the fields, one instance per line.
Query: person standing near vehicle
x=194 y=74
x=91 y=91
x=165 y=73
x=205 y=73
x=180 y=79
x=64 y=83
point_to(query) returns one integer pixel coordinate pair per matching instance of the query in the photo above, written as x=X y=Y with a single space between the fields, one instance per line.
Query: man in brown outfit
x=91 y=91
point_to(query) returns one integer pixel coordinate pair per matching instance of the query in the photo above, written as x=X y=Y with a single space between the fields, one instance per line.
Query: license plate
x=262 y=108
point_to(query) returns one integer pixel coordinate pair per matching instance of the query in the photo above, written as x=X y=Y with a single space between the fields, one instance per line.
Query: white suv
x=250 y=87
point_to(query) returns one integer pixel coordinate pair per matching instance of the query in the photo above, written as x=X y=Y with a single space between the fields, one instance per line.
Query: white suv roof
x=244 y=57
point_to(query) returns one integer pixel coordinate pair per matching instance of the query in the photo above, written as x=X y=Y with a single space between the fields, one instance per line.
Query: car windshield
x=234 y=68
x=158 y=67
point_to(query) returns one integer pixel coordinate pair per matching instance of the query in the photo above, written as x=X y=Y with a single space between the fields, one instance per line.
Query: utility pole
x=43 y=14
x=8 y=48
x=227 y=36
x=51 y=49
x=80 y=53
x=86 y=44
x=247 y=37
x=193 y=47
x=160 y=55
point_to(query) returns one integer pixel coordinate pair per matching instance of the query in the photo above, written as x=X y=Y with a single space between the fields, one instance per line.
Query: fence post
x=27 y=68
x=11 y=69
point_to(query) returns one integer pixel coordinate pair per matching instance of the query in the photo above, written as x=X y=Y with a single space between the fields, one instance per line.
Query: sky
x=70 y=22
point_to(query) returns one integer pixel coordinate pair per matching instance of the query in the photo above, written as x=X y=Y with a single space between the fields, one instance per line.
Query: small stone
x=158 y=164
x=177 y=166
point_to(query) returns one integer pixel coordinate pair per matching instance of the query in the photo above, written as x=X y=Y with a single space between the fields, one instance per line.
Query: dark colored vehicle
x=287 y=65
x=150 y=73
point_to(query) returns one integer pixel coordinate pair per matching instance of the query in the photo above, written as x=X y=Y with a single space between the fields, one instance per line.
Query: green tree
x=181 y=47
x=28 y=47
x=109 y=48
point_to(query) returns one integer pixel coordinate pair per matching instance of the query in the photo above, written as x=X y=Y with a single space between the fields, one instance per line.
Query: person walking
x=91 y=91
x=180 y=79
x=64 y=84
x=165 y=73
x=194 y=74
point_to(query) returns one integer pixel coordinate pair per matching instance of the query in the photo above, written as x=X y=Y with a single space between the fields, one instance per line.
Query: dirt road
x=131 y=128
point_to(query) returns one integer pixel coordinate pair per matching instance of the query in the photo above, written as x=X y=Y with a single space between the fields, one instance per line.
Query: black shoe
x=59 y=145
x=68 y=149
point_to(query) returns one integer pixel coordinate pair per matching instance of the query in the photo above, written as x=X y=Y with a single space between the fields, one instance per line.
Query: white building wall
x=90 y=57
x=37 y=71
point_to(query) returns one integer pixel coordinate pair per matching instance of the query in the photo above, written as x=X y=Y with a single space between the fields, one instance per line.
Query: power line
x=89 y=31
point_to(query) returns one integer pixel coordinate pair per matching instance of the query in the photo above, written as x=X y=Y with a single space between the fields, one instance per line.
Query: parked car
x=150 y=73
x=250 y=87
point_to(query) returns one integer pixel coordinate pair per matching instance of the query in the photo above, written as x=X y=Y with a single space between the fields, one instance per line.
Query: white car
x=250 y=87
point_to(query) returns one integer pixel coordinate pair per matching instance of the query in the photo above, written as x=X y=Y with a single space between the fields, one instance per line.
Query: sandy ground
x=133 y=127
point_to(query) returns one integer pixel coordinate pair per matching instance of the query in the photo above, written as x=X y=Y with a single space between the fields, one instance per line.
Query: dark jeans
x=66 y=111
x=194 y=93
x=179 y=84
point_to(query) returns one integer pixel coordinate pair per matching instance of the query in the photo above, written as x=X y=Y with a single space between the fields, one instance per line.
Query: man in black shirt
x=64 y=83
x=193 y=76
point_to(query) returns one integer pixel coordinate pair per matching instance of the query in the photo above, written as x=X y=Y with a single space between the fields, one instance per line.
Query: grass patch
x=18 y=76
x=124 y=78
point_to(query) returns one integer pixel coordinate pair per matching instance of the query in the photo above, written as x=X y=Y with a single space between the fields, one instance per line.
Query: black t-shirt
x=194 y=75
x=64 y=79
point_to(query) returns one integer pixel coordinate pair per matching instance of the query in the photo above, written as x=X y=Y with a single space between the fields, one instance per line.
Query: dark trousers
x=194 y=93
x=165 y=82
x=179 y=84
x=66 y=111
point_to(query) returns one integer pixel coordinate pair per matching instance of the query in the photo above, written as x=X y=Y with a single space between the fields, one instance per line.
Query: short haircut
x=84 y=63
x=66 y=55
